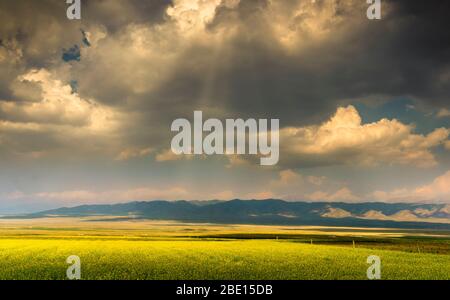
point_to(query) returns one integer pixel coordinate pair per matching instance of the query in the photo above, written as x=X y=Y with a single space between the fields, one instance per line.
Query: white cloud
x=130 y=153
x=294 y=186
x=168 y=155
x=263 y=195
x=58 y=105
x=224 y=195
x=192 y=15
x=53 y=113
x=76 y=197
x=344 y=194
x=236 y=161
x=287 y=178
x=316 y=180
x=436 y=191
x=345 y=140
x=443 y=113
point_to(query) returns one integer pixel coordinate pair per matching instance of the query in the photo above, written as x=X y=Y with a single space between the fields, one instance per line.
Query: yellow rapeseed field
x=177 y=251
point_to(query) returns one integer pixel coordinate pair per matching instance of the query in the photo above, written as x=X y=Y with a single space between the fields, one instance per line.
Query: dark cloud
x=293 y=60
x=116 y=14
x=253 y=74
x=407 y=53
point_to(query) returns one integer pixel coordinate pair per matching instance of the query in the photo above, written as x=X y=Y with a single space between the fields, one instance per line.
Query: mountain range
x=270 y=212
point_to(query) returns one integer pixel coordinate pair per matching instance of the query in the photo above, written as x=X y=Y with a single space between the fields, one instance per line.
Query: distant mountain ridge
x=271 y=212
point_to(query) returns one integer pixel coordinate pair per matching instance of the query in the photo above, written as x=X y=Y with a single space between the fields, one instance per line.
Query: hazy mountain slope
x=273 y=212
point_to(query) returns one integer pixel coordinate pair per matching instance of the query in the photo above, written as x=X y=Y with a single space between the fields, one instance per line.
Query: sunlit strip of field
x=111 y=226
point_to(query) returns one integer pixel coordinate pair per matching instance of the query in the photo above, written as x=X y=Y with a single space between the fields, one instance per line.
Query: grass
x=186 y=251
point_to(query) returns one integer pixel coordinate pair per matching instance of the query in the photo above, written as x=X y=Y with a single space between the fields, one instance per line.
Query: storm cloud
x=110 y=84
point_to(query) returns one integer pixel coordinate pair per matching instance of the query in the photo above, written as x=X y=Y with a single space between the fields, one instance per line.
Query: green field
x=157 y=250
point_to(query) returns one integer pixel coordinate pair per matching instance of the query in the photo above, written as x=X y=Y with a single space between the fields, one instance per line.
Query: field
x=115 y=249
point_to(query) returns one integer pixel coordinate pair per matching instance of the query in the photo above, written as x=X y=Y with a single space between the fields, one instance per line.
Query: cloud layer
x=344 y=139
x=320 y=66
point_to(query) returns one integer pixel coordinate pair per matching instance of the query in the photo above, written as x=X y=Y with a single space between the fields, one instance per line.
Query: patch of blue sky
x=72 y=54
x=74 y=86
x=404 y=110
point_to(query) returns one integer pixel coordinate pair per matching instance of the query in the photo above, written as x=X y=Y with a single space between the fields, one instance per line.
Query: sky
x=86 y=105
